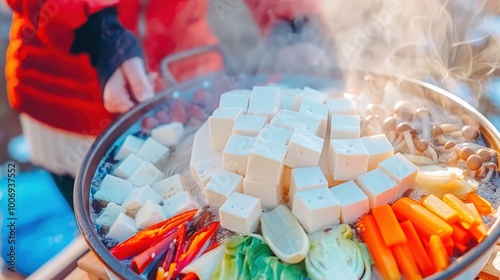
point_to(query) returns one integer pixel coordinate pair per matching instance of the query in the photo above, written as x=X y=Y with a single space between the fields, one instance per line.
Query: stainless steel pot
x=466 y=267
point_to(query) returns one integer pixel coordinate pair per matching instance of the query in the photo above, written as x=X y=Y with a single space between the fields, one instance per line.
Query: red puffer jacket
x=61 y=89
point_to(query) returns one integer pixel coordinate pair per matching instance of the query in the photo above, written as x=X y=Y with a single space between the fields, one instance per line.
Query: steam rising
x=450 y=42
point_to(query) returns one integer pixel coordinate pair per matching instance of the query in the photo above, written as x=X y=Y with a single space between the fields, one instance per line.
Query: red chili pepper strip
x=144 y=259
x=198 y=245
x=172 y=268
x=151 y=235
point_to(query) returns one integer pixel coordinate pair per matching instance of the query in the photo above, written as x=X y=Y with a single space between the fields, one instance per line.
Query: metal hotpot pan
x=466 y=267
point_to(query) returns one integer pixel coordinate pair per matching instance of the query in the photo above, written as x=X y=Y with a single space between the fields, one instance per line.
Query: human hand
x=128 y=85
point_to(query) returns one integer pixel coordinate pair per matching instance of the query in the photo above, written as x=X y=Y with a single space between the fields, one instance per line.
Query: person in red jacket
x=73 y=65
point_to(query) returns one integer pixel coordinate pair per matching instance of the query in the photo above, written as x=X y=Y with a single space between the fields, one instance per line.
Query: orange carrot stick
x=480 y=231
x=482 y=205
x=465 y=214
x=460 y=235
x=449 y=245
x=424 y=221
x=388 y=224
x=438 y=207
x=461 y=247
x=417 y=249
x=406 y=262
x=381 y=254
x=438 y=253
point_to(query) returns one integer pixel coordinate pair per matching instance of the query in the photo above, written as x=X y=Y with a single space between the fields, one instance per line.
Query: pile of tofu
x=137 y=193
x=300 y=147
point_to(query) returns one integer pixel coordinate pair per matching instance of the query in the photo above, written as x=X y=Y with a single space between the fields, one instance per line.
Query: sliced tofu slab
x=110 y=213
x=221 y=186
x=122 y=228
x=231 y=100
x=220 y=126
x=169 y=186
x=316 y=209
x=348 y=158
x=146 y=174
x=150 y=213
x=168 y=134
x=177 y=204
x=266 y=161
x=139 y=196
x=240 y=213
x=401 y=170
x=264 y=101
x=379 y=148
x=269 y=194
x=378 y=186
x=128 y=166
x=154 y=152
x=353 y=201
x=236 y=153
x=304 y=150
x=306 y=178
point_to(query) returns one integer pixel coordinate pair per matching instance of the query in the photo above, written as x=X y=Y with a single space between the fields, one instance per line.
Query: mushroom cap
x=421 y=145
x=402 y=127
x=452 y=162
x=390 y=123
x=474 y=162
x=436 y=131
x=466 y=152
x=422 y=112
x=449 y=145
x=484 y=154
x=470 y=132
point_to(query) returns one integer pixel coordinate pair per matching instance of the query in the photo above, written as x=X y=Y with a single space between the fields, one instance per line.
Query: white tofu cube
x=122 y=228
x=221 y=186
x=314 y=95
x=168 y=134
x=345 y=126
x=294 y=95
x=294 y=120
x=128 y=166
x=236 y=153
x=201 y=152
x=146 y=174
x=169 y=186
x=304 y=150
x=204 y=171
x=353 y=201
x=317 y=110
x=268 y=193
x=229 y=100
x=245 y=92
x=276 y=134
x=264 y=101
x=113 y=189
x=131 y=145
x=249 y=125
x=154 y=152
x=150 y=213
x=401 y=170
x=305 y=179
x=177 y=204
x=139 y=196
x=287 y=102
x=110 y=213
x=220 y=126
x=378 y=186
x=348 y=158
x=316 y=209
x=240 y=213
x=379 y=148
x=342 y=106
x=265 y=162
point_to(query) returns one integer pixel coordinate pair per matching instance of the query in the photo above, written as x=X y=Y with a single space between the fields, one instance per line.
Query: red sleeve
x=55 y=20
x=267 y=12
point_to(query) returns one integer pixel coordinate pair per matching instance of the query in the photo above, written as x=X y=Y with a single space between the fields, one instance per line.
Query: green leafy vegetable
x=248 y=257
x=335 y=253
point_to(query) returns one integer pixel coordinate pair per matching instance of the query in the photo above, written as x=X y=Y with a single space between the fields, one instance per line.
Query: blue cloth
x=44 y=222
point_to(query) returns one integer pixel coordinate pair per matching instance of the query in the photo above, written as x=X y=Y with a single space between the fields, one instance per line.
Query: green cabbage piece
x=248 y=257
x=334 y=253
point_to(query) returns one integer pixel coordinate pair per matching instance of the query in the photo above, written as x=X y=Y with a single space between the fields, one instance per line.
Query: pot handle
x=167 y=74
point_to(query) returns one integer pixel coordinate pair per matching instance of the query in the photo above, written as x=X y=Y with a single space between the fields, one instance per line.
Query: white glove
x=128 y=85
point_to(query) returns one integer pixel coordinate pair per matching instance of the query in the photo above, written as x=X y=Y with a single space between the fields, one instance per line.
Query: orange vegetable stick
x=381 y=254
x=424 y=221
x=405 y=261
x=438 y=207
x=438 y=253
x=417 y=249
x=460 y=235
x=480 y=231
x=388 y=225
x=465 y=214
x=449 y=245
x=482 y=205
x=461 y=247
